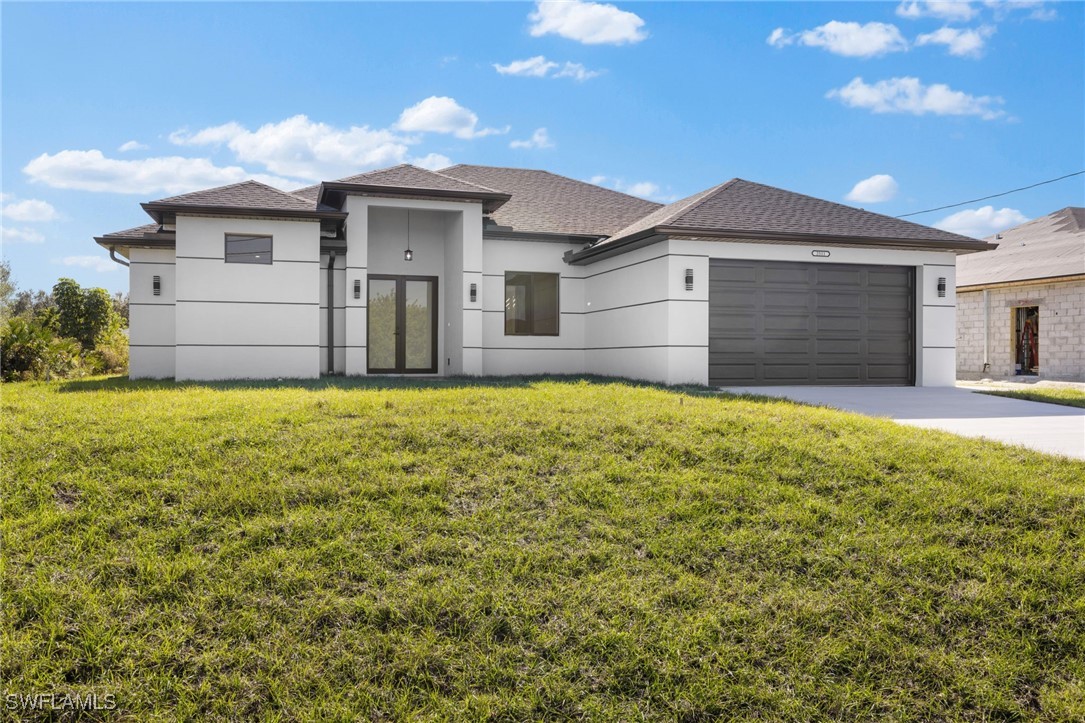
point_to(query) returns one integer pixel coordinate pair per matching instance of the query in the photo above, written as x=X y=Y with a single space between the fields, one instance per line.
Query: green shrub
x=29 y=350
x=110 y=354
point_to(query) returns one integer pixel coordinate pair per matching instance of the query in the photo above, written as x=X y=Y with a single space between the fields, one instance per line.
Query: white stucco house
x=478 y=270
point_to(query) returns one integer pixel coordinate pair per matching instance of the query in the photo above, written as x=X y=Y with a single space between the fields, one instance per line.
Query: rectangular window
x=531 y=304
x=247 y=249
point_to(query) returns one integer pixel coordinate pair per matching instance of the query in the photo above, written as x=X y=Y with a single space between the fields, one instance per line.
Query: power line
x=1004 y=193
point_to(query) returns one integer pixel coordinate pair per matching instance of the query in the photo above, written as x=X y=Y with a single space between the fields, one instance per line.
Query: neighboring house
x=1021 y=308
x=480 y=270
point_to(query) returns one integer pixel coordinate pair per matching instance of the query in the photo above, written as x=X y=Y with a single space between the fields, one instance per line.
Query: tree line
x=69 y=331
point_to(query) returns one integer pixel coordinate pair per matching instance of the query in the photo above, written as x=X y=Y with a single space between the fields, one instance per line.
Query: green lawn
x=528 y=549
x=1067 y=396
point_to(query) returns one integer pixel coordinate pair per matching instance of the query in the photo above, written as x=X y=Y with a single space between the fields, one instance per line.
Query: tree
x=7 y=291
x=84 y=314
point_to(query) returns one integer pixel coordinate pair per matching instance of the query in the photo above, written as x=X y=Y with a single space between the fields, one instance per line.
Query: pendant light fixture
x=408 y=255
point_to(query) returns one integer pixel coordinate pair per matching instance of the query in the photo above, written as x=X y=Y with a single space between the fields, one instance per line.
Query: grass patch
x=1067 y=396
x=528 y=549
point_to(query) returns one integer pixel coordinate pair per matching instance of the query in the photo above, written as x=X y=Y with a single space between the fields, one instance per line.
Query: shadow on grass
x=361 y=383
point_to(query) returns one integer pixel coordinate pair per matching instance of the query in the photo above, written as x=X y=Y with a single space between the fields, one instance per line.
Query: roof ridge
x=710 y=192
x=555 y=175
x=459 y=180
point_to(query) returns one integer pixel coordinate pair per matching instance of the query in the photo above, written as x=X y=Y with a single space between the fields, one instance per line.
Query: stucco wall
x=446 y=237
x=501 y=354
x=1061 y=338
x=151 y=329
x=237 y=321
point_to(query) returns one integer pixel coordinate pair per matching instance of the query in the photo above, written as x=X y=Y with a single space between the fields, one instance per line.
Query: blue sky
x=891 y=106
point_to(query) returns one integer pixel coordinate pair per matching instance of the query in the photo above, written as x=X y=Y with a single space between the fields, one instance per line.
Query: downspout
x=986 y=332
x=331 y=312
x=113 y=255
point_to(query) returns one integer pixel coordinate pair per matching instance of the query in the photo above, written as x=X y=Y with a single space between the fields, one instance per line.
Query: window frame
x=227 y=237
x=530 y=316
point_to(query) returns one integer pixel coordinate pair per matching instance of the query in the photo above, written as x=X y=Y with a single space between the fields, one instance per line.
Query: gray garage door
x=802 y=323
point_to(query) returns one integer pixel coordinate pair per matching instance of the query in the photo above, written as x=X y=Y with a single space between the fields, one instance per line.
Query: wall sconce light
x=156 y=285
x=474 y=293
x=689 y=279
x=941 y=287
x=357 y=288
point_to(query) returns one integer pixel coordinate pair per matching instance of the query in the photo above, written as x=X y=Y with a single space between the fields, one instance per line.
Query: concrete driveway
x=1050 y=428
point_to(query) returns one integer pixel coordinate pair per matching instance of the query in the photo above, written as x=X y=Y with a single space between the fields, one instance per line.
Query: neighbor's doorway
x=1026 y=340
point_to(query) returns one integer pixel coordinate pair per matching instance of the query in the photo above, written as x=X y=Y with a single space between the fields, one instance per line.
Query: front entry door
x=402 y=324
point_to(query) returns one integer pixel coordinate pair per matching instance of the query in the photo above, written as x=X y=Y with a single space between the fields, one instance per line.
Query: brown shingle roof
x=544 y=202
x=1047 y=247
x=740 y=206
x=407 y=176
x=248 y=194
x=131 y=233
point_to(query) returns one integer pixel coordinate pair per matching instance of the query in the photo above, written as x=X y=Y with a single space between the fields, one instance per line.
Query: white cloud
x=95 y=263
x=586 y=22
x=92 y=171
x=441 y=114
x=432 y=161
x=966 y=43
x=1037 y=10
x=132 y=146
x=981 y=222
x=909 y=95
x=848 y=39
x=30 y=210
x=577 y=72
x=540 y=67
x=913 y=9
x=539 y=139
x=20 y=235
x=536 y=67
x=302 y=148
x=876 y=189
x=644 y=189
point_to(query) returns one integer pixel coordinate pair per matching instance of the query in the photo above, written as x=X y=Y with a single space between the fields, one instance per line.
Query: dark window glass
x=244 y=249
x=531 y=304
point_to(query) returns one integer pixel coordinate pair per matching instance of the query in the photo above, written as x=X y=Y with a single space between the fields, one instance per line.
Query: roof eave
x=939 y=244
x=567 y=238
x=159 y=211
x=491 y=201
x=1032 y=281
x=602 y=250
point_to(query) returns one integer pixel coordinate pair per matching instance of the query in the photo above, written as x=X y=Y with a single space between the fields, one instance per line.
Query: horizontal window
x=248 y=249
x=531 y=304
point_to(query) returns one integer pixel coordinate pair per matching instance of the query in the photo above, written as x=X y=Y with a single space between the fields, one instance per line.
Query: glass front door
x=402 y=328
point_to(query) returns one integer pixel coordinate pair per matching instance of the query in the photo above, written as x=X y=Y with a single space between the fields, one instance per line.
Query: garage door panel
x=839 y=372
x=834 y=302
x=783 y=300
x=828 y=276
x=825 y=347
x=786 y=322
x=787 y=346
x=889 y=279
x=810 y=323
x=889 y=302
x=786 y=276
x=830 y=324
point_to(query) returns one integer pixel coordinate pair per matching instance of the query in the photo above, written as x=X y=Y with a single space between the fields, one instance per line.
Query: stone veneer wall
x=1062 y=330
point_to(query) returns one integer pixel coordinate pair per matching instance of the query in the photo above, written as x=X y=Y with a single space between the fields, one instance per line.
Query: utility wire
x=1004 y=193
